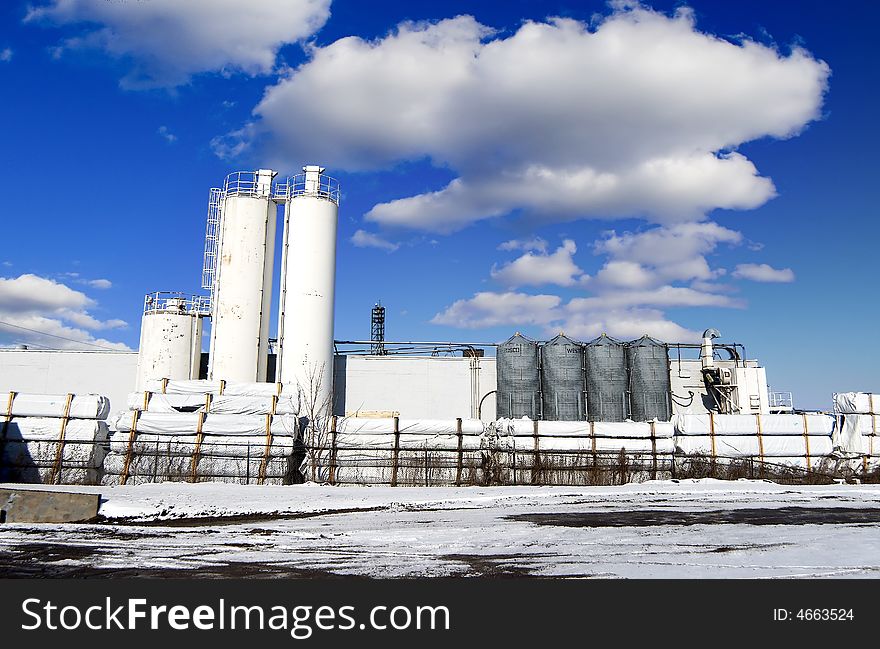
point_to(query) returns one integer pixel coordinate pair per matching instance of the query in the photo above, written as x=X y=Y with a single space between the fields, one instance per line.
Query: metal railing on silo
x=519 y=383
x=647 y=363
x=605 y=378
x=562 y=380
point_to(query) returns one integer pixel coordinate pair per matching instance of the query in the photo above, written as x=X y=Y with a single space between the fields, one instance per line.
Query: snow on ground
x=688 y=528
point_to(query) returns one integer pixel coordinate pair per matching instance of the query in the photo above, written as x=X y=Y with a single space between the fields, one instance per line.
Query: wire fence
x=149 y=459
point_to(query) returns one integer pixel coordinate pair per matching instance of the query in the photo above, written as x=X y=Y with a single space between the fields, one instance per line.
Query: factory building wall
x=429 y=387
x=112 y=374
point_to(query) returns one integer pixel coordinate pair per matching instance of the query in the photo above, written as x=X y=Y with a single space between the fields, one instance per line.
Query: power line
x=43 y=333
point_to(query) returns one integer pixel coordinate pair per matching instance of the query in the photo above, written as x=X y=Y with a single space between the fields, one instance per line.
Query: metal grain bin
x=562 y=380
x=519 y=385
x=647 y=363
x=605 y=362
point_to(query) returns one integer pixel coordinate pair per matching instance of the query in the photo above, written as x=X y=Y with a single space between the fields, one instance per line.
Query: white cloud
x=100 y=283
x=536 y=243
x=539 y=269
x=641 y=277
x=6 y=55
x=635 y=116
x=488 y=309
x=364 y=239
x=763 y=273
x=170 y=137
x=627 y=324
x=661 y=255
x=168 y=41
x=30 y=304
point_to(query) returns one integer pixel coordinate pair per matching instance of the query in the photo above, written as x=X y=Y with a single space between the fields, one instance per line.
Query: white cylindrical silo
x=242 y=293
x=171 y=338
x=305 y=331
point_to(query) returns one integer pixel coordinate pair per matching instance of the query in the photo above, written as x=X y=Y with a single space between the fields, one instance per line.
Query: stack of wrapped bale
x=801 y=441
x=858 y=434
x=52 y=438
x=394 y=451
x=570 y=452
x=206 y=431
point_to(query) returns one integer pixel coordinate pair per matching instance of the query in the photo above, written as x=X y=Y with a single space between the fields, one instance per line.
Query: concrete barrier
x=45 y=506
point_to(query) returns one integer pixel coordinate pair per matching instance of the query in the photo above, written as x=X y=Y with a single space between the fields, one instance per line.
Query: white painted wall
x=111 y=374
x=431 y=387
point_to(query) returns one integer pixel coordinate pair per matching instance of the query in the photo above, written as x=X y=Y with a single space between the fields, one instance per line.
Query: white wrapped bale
x=149 y=444
x=179 y=468
x=81 y=406
x=741 y=446
x=768 y=425
x=183 y=423
x=216 y=388
x=32 y=450
x=616 y=430
x=414 y=426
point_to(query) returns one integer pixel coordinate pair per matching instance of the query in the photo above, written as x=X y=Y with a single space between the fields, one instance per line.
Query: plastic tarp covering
x=30 y=449
x=413 y=426
x=858 y=434
x=736 y=446
x=406 y=441
x=857 y=403
x=627 y=429
x=219 y=446
x=220 y=404
x=82 y=406
x=767 y=425
x=228 y=388
x=178 y=423
x=180 y=468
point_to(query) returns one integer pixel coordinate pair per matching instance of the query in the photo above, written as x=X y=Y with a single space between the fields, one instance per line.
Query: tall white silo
x=171 y=337
x=242 y=280
x=308 y=284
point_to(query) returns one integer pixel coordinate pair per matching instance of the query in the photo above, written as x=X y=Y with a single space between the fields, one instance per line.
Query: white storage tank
x=242 y=283
x=308 y=283
x=171 y=337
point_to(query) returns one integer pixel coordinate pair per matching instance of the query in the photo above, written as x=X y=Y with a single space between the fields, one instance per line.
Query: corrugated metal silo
x=519 y=383
x=647 y=363
x=605 y=362
x=562 y=380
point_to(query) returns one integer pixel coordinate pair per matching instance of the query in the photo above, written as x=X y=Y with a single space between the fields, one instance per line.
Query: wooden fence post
x=458 y=429
x=395 y=452
x=332 y=475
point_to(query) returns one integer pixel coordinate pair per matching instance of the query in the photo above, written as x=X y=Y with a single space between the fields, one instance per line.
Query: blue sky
x=632 y=169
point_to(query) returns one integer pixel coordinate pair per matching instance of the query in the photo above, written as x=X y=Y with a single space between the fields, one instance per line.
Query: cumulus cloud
x=6 y=55
x=763 y=273
x=636 y=115
x=488 y=309
x=100 y=283
x=30 y=304
x=169 y=41
x=644 y=273
x=539 y=269
x=364 y=239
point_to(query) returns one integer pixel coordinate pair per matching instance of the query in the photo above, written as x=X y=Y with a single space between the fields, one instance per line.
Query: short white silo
x=171 y=337
x=308 y=283
x=242 y=280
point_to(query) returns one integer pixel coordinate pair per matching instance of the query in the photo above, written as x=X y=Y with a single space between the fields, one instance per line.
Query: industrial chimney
x=241 y=281
x=308 y=283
